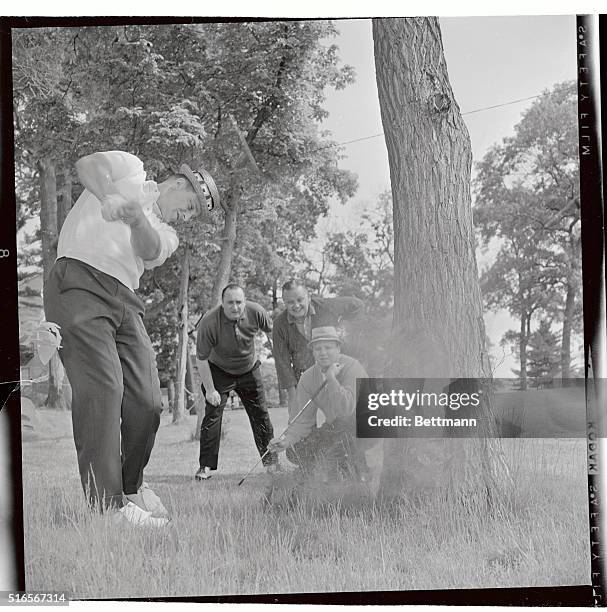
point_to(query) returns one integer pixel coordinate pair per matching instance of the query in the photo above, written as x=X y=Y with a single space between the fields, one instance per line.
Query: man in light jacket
x=335 y=441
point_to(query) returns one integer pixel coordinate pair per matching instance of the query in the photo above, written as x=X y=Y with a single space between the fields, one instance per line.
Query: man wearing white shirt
x=117 y=228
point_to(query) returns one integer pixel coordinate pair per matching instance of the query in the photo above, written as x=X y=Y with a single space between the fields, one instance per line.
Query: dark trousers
x=249 y=389
x=111 y=366
x=333 y=443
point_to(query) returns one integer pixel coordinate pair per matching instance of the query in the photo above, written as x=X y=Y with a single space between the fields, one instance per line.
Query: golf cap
x=203 y=184
x=324 y=333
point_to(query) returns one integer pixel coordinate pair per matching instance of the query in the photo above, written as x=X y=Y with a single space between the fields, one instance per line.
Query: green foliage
x=361 y=262
x=528 y=208
x=543 y=356
x=182 y=93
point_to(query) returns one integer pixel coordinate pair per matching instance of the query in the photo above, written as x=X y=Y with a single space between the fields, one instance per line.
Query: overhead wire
x=477 y=110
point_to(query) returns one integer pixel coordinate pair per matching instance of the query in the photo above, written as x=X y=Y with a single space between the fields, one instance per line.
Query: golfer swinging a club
x=334 y=442
x=117 y=228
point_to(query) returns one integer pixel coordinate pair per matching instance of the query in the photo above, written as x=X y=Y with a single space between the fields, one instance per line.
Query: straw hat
x=203 y=184
x=324 y=333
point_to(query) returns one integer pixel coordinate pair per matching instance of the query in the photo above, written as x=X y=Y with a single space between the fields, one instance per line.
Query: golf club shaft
x=287 y=429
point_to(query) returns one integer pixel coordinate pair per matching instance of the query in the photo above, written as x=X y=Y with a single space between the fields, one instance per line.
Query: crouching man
x=335 y=441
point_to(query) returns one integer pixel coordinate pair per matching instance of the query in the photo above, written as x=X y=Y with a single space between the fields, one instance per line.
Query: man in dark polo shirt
x=293 y=330
x=225 y=352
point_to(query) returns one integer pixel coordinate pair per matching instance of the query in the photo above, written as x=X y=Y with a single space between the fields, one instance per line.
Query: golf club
x=312 y=398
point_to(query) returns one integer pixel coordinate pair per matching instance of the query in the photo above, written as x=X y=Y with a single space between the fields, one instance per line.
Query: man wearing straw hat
x=335 y=374
x=117 y=228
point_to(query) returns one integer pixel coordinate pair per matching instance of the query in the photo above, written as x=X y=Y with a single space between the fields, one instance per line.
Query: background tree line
x=528 y=211
x=247 y=99
x=527 y=216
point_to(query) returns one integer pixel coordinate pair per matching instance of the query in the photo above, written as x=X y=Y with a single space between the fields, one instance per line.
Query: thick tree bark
x=436 y=278
x=438 y=321
x=182 y=350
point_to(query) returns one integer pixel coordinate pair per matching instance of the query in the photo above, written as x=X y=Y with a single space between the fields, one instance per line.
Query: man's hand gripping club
x=279 y=444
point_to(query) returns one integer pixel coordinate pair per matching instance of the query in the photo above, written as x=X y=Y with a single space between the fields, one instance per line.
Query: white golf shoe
x=139 y=517
x=147 y=500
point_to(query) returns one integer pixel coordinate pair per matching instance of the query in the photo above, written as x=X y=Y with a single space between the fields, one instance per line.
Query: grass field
x=226 y=539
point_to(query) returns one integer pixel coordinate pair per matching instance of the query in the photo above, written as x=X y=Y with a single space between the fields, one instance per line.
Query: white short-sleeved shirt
x=86 y=236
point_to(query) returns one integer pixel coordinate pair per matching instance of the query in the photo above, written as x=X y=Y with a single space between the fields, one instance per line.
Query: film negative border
x=592 y=215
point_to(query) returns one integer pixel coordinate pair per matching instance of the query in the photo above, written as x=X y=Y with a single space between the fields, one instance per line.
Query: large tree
x=438 y=324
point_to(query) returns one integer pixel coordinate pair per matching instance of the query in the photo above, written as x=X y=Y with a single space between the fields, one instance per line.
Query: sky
x=490 y=60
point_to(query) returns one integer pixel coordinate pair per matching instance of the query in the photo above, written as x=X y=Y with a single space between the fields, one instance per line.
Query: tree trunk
x=48 y=232
x=438 y=327
x=228 y=240
x=182 y=350
x=64 y=203
x=48 y=213
x=430 y=159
